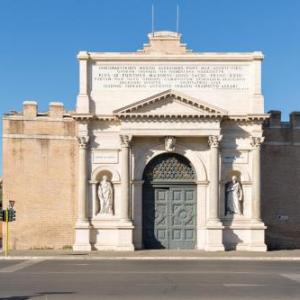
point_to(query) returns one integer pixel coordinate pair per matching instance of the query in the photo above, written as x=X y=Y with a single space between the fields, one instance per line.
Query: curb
x=135 y=258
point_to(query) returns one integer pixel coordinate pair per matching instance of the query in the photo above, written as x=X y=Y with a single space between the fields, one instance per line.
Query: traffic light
x=11 y=215
x=3 y=215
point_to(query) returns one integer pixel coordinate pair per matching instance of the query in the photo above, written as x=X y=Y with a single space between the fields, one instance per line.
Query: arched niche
x=235 y=173
x=143 y=158
x=96 y=176
x=241 y=173
x=111 y=173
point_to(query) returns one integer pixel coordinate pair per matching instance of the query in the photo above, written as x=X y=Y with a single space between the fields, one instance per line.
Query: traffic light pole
x=7 y=232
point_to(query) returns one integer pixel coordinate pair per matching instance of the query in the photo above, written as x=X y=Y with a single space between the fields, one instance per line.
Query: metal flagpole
x=177 y=20
x=152 y=20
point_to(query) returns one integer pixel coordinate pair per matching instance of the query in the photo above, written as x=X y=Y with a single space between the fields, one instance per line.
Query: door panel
x=155 y=218
x=182 y=217
x=169 y=217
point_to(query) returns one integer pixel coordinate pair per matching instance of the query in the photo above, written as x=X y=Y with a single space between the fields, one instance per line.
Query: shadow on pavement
x=35 y=295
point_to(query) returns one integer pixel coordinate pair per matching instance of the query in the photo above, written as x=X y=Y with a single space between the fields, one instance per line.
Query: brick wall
x=281 y=181
x=39 y=173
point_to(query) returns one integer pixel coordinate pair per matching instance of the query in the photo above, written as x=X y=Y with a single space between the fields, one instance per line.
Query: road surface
x=148 y=279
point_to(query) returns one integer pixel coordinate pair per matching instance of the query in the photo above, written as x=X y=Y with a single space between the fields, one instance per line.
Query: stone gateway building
x=167 y=148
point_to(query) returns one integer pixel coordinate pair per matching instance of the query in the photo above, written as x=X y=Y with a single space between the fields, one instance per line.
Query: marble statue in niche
x=105 y=194
x=233 y=197
x=170 y=143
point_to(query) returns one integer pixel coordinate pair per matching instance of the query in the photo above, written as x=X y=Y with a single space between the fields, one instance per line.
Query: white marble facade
x=208 y=106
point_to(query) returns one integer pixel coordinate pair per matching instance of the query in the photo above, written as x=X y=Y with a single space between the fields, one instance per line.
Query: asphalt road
x=94 y=279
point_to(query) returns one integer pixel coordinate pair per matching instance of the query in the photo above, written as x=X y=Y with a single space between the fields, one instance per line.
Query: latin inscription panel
x=105 y=157
x=235 y=157
x=171 y=76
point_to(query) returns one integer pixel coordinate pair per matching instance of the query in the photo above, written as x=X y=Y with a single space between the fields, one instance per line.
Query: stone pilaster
x=257 y=227
x=214 y=226
x=82 y=180
x=83 y=99
x=82 y=236
x=256 y=204
x=213 y=142
x=125 y=151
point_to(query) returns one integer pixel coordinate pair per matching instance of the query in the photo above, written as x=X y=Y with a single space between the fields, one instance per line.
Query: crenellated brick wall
x=39 y=173
x=281 y=181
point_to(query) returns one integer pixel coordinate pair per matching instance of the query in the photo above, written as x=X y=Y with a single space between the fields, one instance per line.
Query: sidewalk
x=280 y=255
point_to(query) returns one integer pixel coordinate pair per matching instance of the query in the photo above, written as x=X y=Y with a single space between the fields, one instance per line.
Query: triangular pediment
x=170 y=103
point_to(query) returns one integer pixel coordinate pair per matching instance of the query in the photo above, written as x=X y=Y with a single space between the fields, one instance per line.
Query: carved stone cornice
x=83 y=141
x=125 y=140
x=248 y=118
x=214 y=140
x=152 y=116
x=256 y=142
x=82 y=116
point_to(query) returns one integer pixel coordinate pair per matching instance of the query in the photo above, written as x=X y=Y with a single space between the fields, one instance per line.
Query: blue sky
x=39 y=40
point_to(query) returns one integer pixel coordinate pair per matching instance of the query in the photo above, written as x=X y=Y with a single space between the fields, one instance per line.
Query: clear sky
x=39 y=40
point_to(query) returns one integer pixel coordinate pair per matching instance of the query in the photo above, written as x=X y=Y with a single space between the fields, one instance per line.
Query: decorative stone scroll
x=170 y=143
x=256 y=141
x=83 y=141
x=125 y=140
x=214 y=140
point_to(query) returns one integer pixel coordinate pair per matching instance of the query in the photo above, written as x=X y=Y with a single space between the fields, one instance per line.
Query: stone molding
x=37 y=136
x=83 y=55
x=138 y=56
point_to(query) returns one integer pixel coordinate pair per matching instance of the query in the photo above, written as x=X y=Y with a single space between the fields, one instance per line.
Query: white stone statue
x=105 y=194
x=234 y=196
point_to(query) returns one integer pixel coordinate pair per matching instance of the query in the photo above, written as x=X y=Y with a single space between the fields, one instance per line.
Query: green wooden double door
x=169 y=216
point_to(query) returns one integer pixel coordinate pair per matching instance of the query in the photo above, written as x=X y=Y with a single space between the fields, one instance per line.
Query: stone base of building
x=245 y=236
x=112 y=235
x=82 y=237
x=214 y=237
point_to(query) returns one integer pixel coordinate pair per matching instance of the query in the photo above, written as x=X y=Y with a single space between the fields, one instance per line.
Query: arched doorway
x=169 y=203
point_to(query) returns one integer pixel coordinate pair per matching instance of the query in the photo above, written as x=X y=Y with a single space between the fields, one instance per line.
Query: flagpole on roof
x=177 y=20
x=152 y=20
